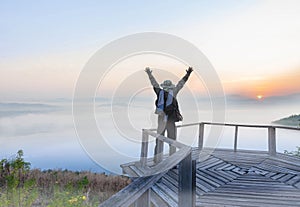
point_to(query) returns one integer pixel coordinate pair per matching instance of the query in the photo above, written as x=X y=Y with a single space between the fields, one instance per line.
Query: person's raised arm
x=181 y=83
x=151 y=78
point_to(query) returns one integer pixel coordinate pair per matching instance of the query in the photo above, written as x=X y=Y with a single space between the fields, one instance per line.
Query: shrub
x=22 y=186
x=293 y=153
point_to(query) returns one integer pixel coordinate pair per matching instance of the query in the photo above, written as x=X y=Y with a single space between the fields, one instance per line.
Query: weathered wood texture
x=185 y=185
x=133 y=192
x=272 y=140
x=224 y=180
x=235 y=138
x=143 y=200
x=144 y=149
x=135 y=169
x=219 y=177
x=201 y=136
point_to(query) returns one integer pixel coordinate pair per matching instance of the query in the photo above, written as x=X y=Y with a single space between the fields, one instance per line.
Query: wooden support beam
x=194 y=183
x=131 y=193
x=185 y=192
x=159 y=151
x=144 y=200
x=201 y=136
x=272 y=141
x=235 y=138
x=144 y=149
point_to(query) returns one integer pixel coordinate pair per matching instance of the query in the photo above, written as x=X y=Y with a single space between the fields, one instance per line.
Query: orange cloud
x=277 y=84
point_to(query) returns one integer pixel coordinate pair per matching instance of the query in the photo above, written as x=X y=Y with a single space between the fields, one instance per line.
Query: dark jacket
x=172 y=111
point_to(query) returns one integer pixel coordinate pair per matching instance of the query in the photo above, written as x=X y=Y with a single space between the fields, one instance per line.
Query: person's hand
x=148 y=71
x=189 y=70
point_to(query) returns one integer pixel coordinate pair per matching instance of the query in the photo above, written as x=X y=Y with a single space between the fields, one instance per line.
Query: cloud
x=18 y=109
x=22 y=119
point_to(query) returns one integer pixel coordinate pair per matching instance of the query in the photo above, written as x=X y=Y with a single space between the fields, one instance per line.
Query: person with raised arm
x=167 y=107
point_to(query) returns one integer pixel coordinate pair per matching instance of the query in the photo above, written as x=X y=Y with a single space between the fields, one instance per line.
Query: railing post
x=194 y=182
x=144 y=200
x=272 y=140
x=144 y=149
x=235 y=138
x=159 y=148
x=201 y=136
x=185 y=182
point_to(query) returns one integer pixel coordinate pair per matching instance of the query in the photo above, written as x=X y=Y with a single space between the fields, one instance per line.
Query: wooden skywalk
x=221 y=183
x=206 y=177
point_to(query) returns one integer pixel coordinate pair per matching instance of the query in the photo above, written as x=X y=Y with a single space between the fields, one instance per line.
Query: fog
x=47 y=135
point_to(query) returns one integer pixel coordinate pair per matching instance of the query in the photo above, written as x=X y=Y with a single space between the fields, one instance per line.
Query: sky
x=254 y=46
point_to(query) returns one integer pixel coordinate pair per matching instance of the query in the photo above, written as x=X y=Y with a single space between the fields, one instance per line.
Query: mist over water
x=46 y=131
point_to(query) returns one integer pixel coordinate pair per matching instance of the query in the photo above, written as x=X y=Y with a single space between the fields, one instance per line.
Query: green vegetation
x=293 y=120
x=21 y=186
x=294 y=153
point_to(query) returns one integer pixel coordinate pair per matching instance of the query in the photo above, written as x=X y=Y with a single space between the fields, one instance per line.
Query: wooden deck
x=242 y=178
x=205 y=177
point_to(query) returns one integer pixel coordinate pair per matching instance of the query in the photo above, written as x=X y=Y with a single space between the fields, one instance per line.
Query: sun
x=259 y=96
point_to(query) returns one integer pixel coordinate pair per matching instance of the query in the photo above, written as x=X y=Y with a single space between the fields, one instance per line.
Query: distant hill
x=293 y=120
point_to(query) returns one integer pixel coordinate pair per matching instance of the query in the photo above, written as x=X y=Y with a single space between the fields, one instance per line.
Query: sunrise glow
x=259 y=96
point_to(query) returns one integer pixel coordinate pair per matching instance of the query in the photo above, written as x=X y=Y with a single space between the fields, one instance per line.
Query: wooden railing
x=139 y=191
x=271 y=133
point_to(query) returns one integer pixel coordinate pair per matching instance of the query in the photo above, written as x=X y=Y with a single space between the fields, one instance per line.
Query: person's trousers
x=164 y=126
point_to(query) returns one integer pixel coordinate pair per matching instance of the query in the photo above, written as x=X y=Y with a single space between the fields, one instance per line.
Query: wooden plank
x=174 y=174
x=246 y=201
x=167 y=191
x=160 y=193
x=297 y=185
x=186 y=125
x=254 y=189
x=286 y=178
x=293 y=180
x=194 y=183
x=167 y=140
x=158 y=156
x=170 y=162
x=144 y=148
x=185 y=188
x=137 y=170
x=203 y=185
x=209 y=175
x=212 y=164
x=206 y=178
x=285 y=161
x=235 y=138
x=221 y=176
x=278 y=167
x=262 y=197
x=252 y=125
x=157 y=201
x=132 y=192
x=143 y=200
x=272 y=141
x=171 y=179
x=239 y=125
x=285 y=193
x=127 y=170
x=201 y=136
x=170 y=185
x=279 y=175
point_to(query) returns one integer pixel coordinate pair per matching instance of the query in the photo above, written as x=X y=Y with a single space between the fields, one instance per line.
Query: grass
x=293 y=153
x=22 y=186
